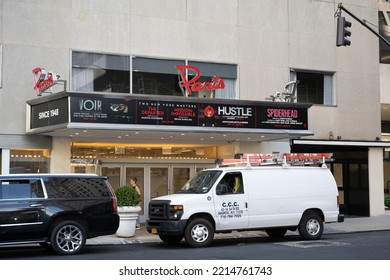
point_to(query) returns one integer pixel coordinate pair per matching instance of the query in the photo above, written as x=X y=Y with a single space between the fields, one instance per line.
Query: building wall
x=265 y=38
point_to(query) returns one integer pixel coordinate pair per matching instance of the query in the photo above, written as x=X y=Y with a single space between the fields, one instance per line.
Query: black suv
x=62 y=210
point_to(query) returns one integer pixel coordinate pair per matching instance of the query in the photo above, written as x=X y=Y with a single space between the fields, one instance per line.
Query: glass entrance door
x=153 y=179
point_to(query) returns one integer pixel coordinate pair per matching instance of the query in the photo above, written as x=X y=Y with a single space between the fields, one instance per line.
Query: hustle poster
x=219 y=115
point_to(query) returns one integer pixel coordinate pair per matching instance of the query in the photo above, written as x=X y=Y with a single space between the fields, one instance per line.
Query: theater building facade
x=159 y=91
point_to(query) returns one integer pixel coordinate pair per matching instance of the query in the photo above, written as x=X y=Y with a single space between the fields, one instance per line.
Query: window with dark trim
x=100 y=72
x=93 y=72
x=313 y=87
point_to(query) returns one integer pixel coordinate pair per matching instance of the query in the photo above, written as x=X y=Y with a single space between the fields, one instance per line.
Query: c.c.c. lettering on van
x=230 y=210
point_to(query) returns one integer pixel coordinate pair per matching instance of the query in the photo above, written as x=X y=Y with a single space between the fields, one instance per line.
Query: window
x=76 y=188
x=384 y=30
x=92 y=72
x=226 y=72
x=156 y=76
x=100 y=72
x=29 y=161
x=314 y=87
x=15 y=189
x=231 y=183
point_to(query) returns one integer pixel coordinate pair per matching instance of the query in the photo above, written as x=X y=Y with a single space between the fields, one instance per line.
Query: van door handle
x=246 y=204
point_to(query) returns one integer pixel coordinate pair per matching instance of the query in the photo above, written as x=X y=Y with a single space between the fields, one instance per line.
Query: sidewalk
x=350 y=224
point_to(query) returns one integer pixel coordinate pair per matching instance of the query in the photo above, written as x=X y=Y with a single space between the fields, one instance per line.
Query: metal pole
x=341 y=7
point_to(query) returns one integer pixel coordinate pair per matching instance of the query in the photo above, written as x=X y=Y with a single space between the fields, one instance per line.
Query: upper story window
x=384 y=30
x=213 y=75
x=314 y=87
x=150 y=76
x=100 y=72
x=156 y=76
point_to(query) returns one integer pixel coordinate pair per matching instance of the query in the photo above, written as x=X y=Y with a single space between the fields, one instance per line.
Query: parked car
x=60 y=210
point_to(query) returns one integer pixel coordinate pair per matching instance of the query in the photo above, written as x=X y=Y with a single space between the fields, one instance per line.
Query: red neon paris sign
x=43 y=80
x=193 y=84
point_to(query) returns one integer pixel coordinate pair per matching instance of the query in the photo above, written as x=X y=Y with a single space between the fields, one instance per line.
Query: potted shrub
x=128 y=209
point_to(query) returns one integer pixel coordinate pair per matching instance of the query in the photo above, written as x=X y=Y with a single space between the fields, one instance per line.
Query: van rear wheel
x=199 y=233
x=311 y=226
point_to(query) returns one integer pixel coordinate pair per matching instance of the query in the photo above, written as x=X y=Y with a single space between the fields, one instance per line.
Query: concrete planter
x=127 y=220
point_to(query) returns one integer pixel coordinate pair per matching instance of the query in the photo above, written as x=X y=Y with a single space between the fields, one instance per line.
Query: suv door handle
x=36 y=205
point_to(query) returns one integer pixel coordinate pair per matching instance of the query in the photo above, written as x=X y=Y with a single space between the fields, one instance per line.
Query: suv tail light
x=114 y=203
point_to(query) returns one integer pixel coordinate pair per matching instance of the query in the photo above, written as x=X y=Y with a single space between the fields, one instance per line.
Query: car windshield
x=201 y=182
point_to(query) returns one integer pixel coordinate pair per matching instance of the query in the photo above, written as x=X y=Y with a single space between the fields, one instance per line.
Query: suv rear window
x=76 y=188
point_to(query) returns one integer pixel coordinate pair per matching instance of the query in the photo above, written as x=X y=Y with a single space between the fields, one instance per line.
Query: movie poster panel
x=102 y=110
x=282 y=118
x=219 y=115
x=167 y=113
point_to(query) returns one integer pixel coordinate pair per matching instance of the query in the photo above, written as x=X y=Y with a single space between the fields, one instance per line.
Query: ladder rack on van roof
x=287 y=159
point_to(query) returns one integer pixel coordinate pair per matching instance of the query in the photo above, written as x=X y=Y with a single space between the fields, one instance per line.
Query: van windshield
x=201 y=182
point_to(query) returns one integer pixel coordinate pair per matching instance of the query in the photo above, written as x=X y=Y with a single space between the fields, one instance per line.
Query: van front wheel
x=199 y=233
x=311 y=226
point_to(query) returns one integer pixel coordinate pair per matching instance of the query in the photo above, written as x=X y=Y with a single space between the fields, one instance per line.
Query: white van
x=273 y=198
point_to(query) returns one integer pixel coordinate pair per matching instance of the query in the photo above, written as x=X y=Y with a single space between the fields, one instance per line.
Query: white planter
x=127 y=220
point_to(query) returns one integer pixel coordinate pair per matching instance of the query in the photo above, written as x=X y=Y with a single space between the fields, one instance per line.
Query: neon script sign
x=43 y=80
x=194 y=84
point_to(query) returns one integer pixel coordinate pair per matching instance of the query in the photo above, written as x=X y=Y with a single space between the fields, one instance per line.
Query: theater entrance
x=153 y=179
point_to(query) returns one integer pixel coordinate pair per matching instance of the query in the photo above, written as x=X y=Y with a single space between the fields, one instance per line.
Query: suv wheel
x=68 y=237
x=199 y=233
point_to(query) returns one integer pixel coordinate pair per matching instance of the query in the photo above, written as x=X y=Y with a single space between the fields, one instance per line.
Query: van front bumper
x=166 y=227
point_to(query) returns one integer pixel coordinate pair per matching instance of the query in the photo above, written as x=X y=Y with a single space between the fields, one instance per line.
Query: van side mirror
x=221 y=188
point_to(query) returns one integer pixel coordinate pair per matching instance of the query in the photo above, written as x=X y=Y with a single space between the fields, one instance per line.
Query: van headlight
x=176 y=211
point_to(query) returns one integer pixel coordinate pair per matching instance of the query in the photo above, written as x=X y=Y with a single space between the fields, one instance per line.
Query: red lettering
x=282 y=113
x=193 y=84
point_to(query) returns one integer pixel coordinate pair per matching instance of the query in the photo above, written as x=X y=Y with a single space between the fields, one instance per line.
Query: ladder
x=286 y=159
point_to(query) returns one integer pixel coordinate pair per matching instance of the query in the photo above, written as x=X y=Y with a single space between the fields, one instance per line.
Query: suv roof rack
x=286 y=159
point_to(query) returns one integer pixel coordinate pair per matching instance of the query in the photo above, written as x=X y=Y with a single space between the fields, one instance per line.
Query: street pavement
x=350 y=224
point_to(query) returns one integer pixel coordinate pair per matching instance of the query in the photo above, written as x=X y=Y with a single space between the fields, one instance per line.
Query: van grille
x=159 y=209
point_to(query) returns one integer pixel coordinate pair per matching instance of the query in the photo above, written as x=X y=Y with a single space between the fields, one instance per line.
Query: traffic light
x=343 y=32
